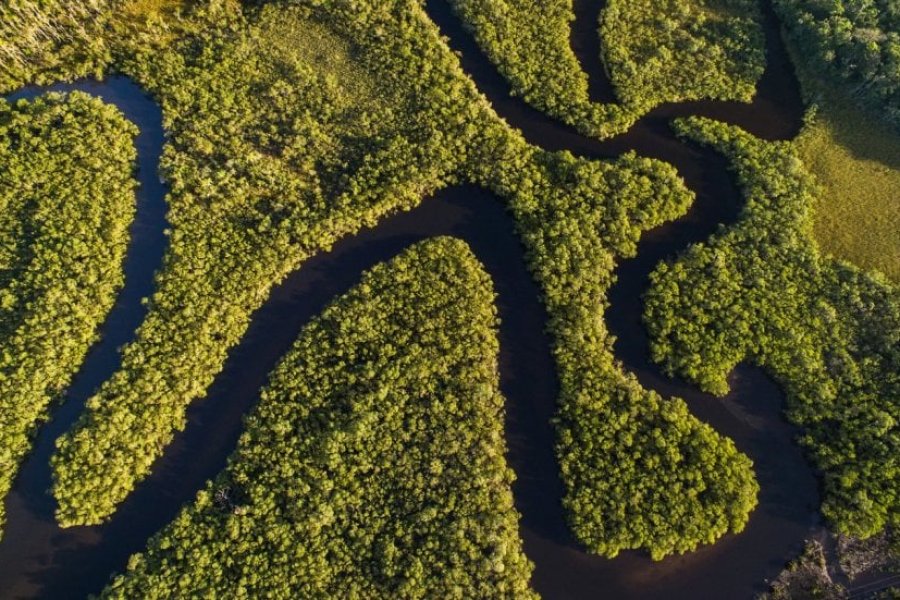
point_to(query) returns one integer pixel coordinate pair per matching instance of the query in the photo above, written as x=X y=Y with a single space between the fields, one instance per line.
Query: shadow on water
x=585 y=41
x=37 y=559
x=29 y=503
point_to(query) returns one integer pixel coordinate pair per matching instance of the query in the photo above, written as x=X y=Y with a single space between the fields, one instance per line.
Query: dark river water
x=38 y=559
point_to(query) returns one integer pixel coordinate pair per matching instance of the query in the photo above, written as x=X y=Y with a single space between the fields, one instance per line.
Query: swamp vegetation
x=293 y=124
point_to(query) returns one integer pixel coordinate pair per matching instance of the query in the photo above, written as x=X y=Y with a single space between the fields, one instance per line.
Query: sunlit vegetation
x=140 y=22
x=670 y=50
x=45 y=39
x=150 y=9
x=828 y=332
x=42 y=41
x=654 y=52
x=529 y=44
x=856 y=41
x=856 y=162
x=640 y=471
x=292 y=125
x=373 y=466
x=66 y=202
x=270 y=160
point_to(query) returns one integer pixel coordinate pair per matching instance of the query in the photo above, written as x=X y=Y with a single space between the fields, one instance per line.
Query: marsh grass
x=286 y=35
x=855 y=157
x=143 y=9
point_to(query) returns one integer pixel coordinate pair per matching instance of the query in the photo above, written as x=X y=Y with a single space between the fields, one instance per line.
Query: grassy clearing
x=152 y=8
x=306 y=42
x=856 y=160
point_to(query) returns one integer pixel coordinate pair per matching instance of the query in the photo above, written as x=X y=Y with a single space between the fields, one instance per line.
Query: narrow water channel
x=736 y=566
x=38 y=559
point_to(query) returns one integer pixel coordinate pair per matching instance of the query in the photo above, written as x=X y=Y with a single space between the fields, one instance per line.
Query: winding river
x=38 y=559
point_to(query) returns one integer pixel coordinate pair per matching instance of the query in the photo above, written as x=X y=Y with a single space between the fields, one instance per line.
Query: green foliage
x=297 y=123
x=66 y=202
x=654 y=52
x=829 y=333
x=857 y=41
x=672 y=50
x=529 y=44
x=42 y=39
x=856 y=162
x=639 y=470
x=271 y=158
x=373 y=466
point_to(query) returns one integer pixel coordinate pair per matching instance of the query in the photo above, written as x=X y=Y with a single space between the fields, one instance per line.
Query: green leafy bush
x=828 y=332
x=66 y=202
x=373 y=466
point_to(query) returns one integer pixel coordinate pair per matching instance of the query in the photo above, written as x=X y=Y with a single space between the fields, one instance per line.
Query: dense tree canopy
x=830 y=333
x=653 y=51
x=295 y=123
x=855 y=40
x=279 y=145
x=373 y=466
x=529 y=44
x=640 y=471
x=66 y=202
x=670 y=50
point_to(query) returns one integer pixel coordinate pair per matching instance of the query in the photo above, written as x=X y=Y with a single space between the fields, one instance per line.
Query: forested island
x=450 y=298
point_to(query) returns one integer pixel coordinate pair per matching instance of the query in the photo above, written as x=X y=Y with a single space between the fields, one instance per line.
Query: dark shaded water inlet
x=738 y=565
x=37 y=559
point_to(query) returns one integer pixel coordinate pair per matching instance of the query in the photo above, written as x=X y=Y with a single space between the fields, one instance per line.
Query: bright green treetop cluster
x=654 y=52
x=373 y=466
x=671 y=50
x=828 y=332
x=639 y=470
x=66 y=202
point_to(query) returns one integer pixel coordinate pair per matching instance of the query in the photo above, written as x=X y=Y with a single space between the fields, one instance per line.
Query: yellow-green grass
x=286 y=34
x=143 y=9
x=856 y=158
